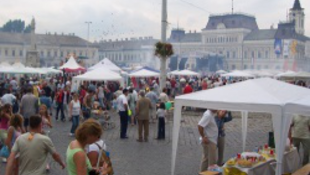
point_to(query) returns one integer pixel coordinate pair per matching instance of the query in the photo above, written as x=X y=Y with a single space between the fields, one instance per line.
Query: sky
x=119 y=19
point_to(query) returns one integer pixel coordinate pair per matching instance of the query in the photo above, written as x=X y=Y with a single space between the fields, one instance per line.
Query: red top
x=204 y=85
x=188 y=89
x=173 y=83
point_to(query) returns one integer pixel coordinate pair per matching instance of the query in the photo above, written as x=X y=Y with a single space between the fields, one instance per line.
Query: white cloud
x=124 y=18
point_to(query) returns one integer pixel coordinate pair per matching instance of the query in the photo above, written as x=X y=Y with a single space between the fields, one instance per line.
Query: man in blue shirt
x=221 y=118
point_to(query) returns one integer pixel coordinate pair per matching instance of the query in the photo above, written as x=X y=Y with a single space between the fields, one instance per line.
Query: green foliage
x=163 y=50
x=16 y=26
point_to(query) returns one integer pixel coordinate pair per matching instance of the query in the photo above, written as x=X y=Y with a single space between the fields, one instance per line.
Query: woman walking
x=74 y=113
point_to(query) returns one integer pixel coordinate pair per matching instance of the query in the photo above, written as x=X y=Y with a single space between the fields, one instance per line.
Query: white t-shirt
x=121 y=100
x=8 y=99
x=210 y=128
x=94 y=146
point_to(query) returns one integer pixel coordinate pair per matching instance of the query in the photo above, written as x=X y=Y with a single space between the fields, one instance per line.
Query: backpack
x=105 y=156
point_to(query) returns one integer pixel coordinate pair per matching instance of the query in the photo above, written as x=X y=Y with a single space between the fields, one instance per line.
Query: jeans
x=75 y=123
x=60 y=107
x=124 y=122
x=161 y=128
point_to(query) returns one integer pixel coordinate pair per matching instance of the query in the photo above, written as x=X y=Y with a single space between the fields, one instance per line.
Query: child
x=161 y=114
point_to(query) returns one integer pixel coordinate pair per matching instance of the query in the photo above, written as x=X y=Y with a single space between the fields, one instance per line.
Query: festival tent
x=71 y=66
x=221 y=72
x=297 y=75
x=100 y=74
x=238 y=74
x=5 y=64
x=185 y=73
x=144 y=73
x=106 y=63
x=257 y=95
x=287 y=73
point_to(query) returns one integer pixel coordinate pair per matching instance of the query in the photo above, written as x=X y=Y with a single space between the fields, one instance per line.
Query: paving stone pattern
x=130 y=157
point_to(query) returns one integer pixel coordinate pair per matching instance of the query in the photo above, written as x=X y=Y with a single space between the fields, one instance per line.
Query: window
x=13 y=52
x=61 y=53
x=55 y=54
x=20 y=53
x=80 y=53
x=48 y=53
x=258 y=67
x=253 y=54
x=259 y=55
x=6 y=52
x=245 y=66
x=233 y=67
x=234 y=54
x=227 y=54
x=42 y=54
x=266 y=67
x=266 y=54
x=245 y=54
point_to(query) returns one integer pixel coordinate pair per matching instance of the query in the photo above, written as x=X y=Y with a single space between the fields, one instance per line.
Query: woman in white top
x=74 y=113
x=100 y=94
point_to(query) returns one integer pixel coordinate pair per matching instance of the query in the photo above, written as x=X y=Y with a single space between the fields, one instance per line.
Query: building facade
x=52 y=48
x=243 y=45
x=129 y=52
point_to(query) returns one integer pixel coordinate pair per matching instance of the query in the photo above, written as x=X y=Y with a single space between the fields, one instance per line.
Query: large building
x=52 y=48
x=238 y=39
x=129 y=52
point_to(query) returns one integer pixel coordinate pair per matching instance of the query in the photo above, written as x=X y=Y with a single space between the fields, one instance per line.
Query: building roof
x=297 y=5
x=43 y=39
x=232 y=21
x=191 y=37
x=265 y=34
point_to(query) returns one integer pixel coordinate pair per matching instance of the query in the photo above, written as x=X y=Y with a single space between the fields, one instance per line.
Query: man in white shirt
x=8 y=98
x=122 y=104
x=208 y=131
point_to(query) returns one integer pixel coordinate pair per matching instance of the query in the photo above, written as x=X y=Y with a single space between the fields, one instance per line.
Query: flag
x=293 y=47
x=286 y=47
x=278 y=46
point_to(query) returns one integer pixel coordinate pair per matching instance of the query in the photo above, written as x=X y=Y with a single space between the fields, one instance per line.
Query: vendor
x=221 y=118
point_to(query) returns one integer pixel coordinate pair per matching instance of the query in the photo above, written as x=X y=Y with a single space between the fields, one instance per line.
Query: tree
x=16 y=26
x=163 y=51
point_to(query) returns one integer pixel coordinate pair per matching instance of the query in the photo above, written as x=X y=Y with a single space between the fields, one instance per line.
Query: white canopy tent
x=221 y=72
x=106 y=63
x=99 y=74
x=238 y=74
x=287 y=73
x=71 y=65
x=258 y=95
x=297 y=75
x=5 y=64
x=144 y=73
x=185 y=73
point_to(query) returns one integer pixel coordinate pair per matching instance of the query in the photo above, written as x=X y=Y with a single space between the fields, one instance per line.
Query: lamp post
x=88 y=24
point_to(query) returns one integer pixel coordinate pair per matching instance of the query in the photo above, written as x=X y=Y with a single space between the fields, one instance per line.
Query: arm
x=79 y=159
x=201 y=132
x=93 y=158
x=9 y=138
x=57 y=158
x=10 y=163
x=228 y=117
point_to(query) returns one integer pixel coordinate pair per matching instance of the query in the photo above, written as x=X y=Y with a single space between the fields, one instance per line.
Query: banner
x=278 y=46
x=293 y=47
x=286 y=47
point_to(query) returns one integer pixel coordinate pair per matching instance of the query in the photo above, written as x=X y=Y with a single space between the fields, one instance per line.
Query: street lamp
x=88 y=24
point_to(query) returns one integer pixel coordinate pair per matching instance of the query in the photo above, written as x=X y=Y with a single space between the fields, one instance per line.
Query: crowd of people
x=28 y=106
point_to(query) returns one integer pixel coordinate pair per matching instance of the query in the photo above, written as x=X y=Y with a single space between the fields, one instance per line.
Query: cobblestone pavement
x=130 y=157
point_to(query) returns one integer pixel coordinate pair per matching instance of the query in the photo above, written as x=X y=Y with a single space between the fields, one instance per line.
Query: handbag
x=4 y=152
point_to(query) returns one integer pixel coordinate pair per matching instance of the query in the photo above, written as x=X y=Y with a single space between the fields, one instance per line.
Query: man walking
x=153 y=97
x=33 y=149
x=208 y=134
x=29 y=106
x=143 y=110
x=122 y=105
x=221 y=118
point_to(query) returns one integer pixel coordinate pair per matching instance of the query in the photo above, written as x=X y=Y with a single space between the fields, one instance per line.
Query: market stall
x=71 y=66
x=258 y=95
x=238 y=74
x=144 y=73
x=185 y=73
x=106 y=63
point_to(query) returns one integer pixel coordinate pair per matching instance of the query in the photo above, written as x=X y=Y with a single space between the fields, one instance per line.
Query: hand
x=104 y=169
x=63 y=166
x=205 y=140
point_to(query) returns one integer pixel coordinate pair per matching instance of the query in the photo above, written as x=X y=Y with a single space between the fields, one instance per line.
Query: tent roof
x=106 y=63
x=185 y=73
x=297 y=75
x=144 y=73
x=239 y=74
x=99 y=74
x=301 y=106
x=259 y=95
x=18 y=65
x=287 y=73
x=221 y=72
x=146 y=68
x=71 y=65
x=5 y=64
